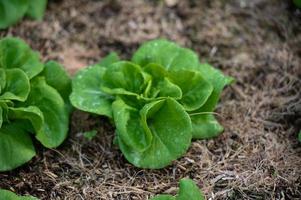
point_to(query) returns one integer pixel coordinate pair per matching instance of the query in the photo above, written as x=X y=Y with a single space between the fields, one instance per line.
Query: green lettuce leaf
x=57 y=77
x=124 y=78
x=188 y=191
x=161 y=85
x=17 y=85
x=36 y=9
x=2 y=79
x=15 y=53
x=33 y=114
x=16 y=147
x=171 y=136
x=167 y=54
x=218 y=80
x=164 y=197
x=87 y=94
x=109 y=59
x=12 y=11
x=8 y=195
x=1 y=116
x=196 y=90
x=56 y=118
x=205 y=126
x=130 y=126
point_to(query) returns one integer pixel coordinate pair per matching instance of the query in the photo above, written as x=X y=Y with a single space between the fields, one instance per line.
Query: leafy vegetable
x=31 y=101
x=8 y=195
x=11 y=11
x=158 y=101
x=36 y=9
x=188 y=190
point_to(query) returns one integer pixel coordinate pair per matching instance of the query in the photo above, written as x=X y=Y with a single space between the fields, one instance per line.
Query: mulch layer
x=257 y=42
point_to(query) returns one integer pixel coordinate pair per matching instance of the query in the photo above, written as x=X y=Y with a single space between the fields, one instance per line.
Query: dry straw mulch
x=257 y=42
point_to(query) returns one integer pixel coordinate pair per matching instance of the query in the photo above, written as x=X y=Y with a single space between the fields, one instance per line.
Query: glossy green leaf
x=189 y=190
x=196 y=90
x=16 y=147
x=86 y=92
x=167 y=54
x=36 y=9
x=124 y=76
x=4 y=105
x=170 y=127
x=129 y=126
x=1 y=117
x=205 y=126
x=11 y=11
x=2 y=80
x=161 y=86
x=31 y=114
x=109 y=59
x=163 y=197
x=15 y=53
x=49 y=101
x=57 y=77
x=17 y=85
x=8 y=195
x=218 y=81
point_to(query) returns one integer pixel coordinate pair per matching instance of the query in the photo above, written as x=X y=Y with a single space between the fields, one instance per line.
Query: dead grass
x=257 y=42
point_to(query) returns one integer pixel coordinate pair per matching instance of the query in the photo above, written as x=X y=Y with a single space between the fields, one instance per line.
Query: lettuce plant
x=11 y=11
x=33 y=99
x=159 y=100
x=8 y=195
x=188 y=191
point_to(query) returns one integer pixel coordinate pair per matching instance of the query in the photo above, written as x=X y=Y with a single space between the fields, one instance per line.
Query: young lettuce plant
x=11 y=11
x=8 y=195
x=159 y=100
x=33 y=99
x=188 y=191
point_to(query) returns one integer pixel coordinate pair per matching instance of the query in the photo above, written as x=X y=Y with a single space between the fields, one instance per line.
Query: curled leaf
x=171 y=136
x=130 y=126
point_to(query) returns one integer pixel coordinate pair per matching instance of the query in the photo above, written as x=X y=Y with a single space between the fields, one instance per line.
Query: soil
x=257 y=42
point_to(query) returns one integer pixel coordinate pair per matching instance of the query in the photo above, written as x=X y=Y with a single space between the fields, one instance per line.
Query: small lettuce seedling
x=8 y=195
x=159 y=100
x=188 y=191
x=11 y=11
x=33 y=99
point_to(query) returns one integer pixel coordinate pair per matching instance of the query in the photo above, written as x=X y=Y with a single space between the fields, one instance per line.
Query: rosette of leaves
x=33 y=103
x=8 y=195
x=11 y=11
x=188 y=191
x=159 y=100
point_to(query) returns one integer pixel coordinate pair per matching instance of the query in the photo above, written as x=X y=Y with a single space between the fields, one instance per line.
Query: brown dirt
x=258 y=42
